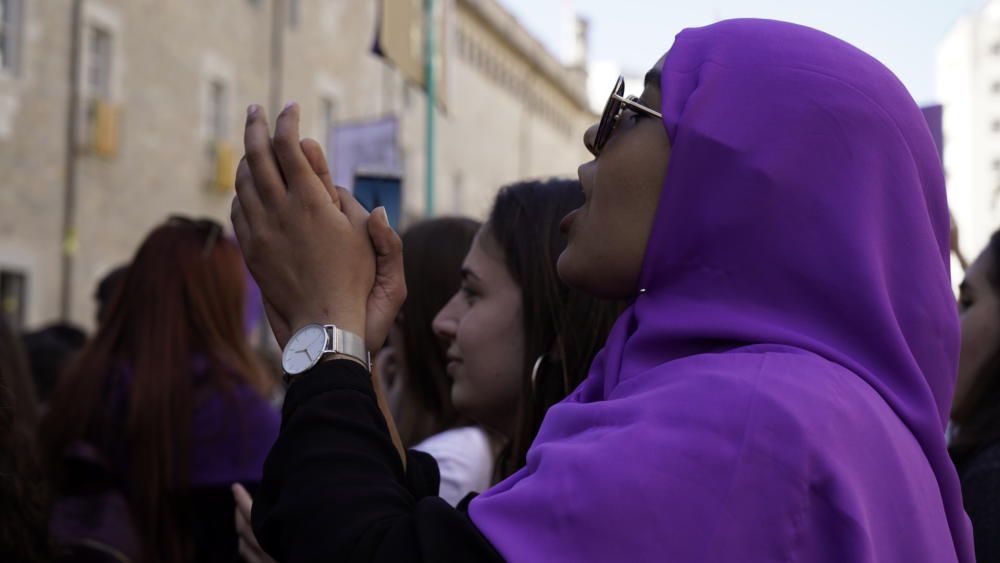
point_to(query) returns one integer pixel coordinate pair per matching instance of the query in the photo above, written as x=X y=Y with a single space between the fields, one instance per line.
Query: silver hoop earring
x=534 y=373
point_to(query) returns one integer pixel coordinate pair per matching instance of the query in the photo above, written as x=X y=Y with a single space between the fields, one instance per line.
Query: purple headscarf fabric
x=780 y=391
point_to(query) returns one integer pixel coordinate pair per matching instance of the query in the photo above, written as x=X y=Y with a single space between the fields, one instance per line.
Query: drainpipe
x=69 y=244
x=430 y=31
x=278 y=19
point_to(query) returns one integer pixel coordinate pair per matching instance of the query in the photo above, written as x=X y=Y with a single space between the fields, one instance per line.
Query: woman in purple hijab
x=774 y=207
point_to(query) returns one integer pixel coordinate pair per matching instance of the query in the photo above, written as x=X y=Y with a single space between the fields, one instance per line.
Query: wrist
x=332 y=357
x=351 y=321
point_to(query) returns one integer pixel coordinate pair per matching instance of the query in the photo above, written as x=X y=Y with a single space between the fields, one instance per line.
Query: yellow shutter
x=104 y=128
x=225 y=166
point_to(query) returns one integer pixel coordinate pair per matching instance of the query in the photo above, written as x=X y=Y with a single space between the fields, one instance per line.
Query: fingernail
x=288 y=106
x=385 y=215
x=252 y=110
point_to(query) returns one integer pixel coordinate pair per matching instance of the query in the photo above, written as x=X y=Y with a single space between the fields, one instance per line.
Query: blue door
x=373 y=191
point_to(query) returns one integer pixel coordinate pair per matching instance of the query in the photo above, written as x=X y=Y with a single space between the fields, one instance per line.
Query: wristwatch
x=311 y=342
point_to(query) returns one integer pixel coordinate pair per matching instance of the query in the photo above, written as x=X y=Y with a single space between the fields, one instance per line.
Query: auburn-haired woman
x=170 y=396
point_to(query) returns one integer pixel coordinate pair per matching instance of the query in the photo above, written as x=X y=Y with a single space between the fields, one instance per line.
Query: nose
x=445 y=323
x=590 y=139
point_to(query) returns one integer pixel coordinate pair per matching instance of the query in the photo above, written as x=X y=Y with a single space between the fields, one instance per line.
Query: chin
x=567 y=267
x=590 y=278
x=575 y=272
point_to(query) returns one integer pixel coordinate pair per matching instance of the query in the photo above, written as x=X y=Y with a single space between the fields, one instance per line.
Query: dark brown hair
x=24 y=528
x=432 y=260
x=978 y=416
x=563 y=326
x=181 y=298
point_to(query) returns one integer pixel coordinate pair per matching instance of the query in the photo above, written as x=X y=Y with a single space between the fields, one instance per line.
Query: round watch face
x=304 y=349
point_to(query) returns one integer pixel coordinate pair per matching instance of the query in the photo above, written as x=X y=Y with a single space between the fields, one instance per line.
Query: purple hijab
x=780 y=391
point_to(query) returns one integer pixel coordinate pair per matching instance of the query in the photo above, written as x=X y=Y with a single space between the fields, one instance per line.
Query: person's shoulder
x=465 y=440
x=256 y=414
x=762 y=397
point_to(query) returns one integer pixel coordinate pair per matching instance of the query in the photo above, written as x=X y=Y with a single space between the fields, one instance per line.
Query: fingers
x=247 y=553
x=247 y=191
x=385 y=240
x=243 y=500
x=248 y=546
x=294 y=166
x=317 y=160
x=356 y=213
x=240 y=225
x=268 y=181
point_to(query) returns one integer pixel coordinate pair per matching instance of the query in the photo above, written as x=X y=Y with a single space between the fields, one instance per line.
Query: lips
x=453 y=363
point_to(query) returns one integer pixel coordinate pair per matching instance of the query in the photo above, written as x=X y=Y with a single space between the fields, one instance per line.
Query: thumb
x=388 y=258
x=388 y=245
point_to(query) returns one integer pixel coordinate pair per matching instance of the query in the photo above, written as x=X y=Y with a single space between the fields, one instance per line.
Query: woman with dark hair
x=412 y=365
x=24 y=495
x=774 y=210
x=170 y=395
x=520 y=339
x=975 y=413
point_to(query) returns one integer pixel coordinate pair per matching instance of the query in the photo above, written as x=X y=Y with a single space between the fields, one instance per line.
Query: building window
x=10 y=35
x=99 y=63
x=13 y=297
x=216 y=115
x=326 y=122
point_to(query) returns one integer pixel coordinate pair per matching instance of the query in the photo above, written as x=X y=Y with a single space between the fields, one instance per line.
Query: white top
x=464 y=460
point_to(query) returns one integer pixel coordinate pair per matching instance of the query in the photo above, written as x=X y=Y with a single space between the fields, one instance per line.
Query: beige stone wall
x=506 y=119
x=32 y=132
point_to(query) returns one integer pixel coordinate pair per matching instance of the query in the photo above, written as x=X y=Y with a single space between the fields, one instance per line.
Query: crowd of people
x=734 y=338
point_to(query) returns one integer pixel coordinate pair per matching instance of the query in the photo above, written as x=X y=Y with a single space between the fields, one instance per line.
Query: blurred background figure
x=24 y=496
x=106 y=289
x=50 y=350
x=166 y=407
x=975 y=415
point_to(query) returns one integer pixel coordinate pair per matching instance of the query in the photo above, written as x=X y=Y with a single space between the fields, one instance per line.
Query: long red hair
x=182 y=298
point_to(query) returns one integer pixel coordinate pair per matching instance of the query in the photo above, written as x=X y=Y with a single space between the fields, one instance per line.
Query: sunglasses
x=210 y=229
x=613 y=110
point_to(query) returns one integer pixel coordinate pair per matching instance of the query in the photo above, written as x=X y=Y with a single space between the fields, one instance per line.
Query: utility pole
x=69 y=244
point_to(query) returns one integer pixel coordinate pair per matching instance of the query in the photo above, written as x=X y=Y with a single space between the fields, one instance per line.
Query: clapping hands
x=316 y=253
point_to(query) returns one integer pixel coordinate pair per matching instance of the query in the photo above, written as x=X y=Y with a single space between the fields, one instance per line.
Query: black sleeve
x=980 y=490
x=334 y=488
x=213 y=529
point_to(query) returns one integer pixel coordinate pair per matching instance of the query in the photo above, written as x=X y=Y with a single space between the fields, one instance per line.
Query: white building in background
x=968 y=86
x=601 y=76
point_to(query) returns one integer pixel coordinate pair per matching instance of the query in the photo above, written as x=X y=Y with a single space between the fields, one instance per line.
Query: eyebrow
x=652 y=78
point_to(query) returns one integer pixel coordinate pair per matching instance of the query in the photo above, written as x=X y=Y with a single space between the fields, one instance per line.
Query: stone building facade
x=152 y=124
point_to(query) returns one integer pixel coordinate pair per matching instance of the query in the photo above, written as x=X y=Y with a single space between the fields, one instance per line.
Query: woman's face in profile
x=979 y=315
x=483 y=331
x=607 y=236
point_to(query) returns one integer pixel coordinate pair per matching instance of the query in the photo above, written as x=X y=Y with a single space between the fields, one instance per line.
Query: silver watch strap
x=347 y=343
